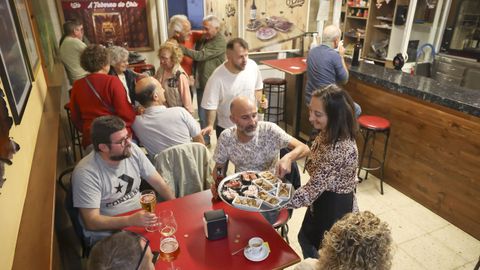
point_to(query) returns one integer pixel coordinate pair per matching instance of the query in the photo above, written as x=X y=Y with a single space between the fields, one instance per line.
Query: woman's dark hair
x=340 y=112
x=94 y=58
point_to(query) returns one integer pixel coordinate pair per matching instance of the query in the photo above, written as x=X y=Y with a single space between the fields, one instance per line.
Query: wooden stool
x=370 y=126
x=274 y=89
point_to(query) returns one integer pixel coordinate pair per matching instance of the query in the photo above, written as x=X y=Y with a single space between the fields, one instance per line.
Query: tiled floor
x=422 y=239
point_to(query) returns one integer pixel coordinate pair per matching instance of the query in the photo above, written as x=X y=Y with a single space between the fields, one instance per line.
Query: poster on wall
x=112 y=22
x=270 y=24
x=23 y=15
x=227 y=13
x=13 y=63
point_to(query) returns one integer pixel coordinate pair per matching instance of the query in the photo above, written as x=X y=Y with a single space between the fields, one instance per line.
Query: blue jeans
x=202 y=114
x=308 y=250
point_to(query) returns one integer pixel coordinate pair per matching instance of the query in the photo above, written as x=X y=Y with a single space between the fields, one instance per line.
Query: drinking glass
x=148 y=200
x=168 y=224
x=169 y=250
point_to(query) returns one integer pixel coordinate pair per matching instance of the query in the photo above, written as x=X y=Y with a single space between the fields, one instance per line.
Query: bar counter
x=433 y=154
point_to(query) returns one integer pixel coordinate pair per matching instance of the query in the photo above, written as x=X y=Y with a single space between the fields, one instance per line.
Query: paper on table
x=294 y=67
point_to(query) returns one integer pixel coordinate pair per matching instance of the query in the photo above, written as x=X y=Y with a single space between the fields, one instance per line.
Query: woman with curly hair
x=332 y=166
x=98 y=93
x=358 y=241
x=173 y=78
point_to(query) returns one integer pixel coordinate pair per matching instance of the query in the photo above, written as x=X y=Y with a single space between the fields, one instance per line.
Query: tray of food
x=255 y=191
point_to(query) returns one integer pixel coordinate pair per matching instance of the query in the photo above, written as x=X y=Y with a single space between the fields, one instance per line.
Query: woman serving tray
x=255 y=191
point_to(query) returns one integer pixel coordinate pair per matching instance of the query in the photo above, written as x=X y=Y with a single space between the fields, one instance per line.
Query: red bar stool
x=369 y=126
x=281 y=223
x=274 y=89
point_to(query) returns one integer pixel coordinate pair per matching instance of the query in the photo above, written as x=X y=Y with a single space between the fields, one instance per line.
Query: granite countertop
x=454 y=97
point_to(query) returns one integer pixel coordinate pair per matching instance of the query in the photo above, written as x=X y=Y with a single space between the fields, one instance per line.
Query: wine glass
x=148 y=200
x=169 y=250
x=168 y=224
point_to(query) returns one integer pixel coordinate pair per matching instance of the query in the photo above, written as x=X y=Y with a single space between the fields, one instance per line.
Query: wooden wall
x=433 y=154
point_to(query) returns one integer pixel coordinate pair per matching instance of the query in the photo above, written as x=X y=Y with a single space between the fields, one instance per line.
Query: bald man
x=254 y=145
x=159 y=127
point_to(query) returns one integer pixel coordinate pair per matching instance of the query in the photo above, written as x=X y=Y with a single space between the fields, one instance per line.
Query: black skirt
x=323 y=213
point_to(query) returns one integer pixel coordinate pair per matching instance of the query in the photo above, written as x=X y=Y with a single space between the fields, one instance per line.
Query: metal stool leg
x=365 y=143
x=370 y=155
x=387 y=135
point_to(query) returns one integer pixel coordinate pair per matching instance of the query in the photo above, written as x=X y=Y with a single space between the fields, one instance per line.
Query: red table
x=197 y=252
x=294 y=66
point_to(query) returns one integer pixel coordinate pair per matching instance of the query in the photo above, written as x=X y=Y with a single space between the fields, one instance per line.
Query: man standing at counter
x=326 y=66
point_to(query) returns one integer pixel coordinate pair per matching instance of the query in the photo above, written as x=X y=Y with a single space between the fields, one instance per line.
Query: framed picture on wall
x=23 y=16
x=112 y=22
x=13 y=63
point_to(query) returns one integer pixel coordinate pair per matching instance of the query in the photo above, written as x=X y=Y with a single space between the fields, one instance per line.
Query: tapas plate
x=253 y=25
x=255 y=191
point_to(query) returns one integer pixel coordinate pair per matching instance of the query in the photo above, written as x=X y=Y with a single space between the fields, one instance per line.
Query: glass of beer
x=148 y=200
x=169 y=250
x=168 y=224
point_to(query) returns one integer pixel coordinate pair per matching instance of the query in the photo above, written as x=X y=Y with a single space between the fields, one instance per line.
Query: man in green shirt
x=209 y=53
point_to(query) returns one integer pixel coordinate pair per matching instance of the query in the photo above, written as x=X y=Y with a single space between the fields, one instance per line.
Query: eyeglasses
x=144 y=251
x=123 y=142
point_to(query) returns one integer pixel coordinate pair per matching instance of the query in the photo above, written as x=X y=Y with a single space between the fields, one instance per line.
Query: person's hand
x=140 y=109
x=341 y=49
x=206 y=131
x=283 y=167
x=191 y=80
x=143 y=218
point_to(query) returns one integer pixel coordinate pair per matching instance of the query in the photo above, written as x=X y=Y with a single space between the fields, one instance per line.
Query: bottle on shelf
x=261 y=111
x=314 y=41
x=356 y=52
x=253 y=11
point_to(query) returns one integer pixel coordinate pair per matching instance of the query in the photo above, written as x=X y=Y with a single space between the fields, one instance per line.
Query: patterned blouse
x=331 y=167
x=258 y=154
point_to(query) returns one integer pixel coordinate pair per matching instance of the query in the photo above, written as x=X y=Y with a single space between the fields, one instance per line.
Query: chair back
x=65 y=182
x=185 y=167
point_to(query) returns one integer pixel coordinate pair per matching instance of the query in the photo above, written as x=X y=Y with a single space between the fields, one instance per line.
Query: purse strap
x=98 y=96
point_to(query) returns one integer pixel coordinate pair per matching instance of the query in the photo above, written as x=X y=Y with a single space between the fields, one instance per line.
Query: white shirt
x=223 y=86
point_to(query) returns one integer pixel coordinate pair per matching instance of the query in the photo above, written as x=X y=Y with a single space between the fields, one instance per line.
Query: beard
x=126 y=154
x=250 y=131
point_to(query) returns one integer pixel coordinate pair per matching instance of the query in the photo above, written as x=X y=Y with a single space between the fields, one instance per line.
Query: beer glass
x=148 y=200
x=169 y=250
x=168 y=224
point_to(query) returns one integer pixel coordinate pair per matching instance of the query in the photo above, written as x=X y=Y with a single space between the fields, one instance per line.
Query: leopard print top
x=331 y=167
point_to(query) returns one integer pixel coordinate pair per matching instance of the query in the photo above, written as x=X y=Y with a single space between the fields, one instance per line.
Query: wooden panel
x=36 y=233
x=433 y=154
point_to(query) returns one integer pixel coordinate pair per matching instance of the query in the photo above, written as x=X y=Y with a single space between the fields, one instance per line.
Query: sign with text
x=112 y=22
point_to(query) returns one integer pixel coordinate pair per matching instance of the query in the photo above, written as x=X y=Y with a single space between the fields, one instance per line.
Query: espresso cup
x=255 y=246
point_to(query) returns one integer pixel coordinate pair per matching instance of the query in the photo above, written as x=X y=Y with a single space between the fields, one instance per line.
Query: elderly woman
x=173 y=78
x=332 y=166
x=98 y=93
x=357 y=241
x=119 y=68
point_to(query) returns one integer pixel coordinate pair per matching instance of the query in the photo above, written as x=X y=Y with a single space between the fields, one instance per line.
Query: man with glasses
x=71 y=47
x=106 y=182
x=122 y=251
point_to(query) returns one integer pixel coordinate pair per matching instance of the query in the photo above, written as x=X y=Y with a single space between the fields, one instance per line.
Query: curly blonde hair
x=177 y=54
x=358 y=241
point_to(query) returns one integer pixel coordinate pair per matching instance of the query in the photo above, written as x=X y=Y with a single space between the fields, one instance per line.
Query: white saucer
x=262 y=256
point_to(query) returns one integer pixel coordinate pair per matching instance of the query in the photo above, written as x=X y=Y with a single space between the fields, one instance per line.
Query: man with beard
x=106 y=182
x=238 y=76
x=255 y=146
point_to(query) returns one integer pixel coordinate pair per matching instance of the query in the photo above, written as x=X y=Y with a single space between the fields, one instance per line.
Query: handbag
x=110 y=108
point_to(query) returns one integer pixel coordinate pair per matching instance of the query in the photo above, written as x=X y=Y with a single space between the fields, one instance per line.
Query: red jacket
x=187 y=62
x=85 y=106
